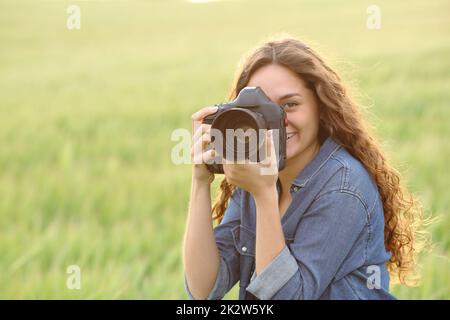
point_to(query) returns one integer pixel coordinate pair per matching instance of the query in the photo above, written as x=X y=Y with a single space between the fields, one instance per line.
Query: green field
x=86 y=117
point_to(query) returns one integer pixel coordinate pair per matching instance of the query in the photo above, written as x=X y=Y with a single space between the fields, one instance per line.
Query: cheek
x=304 y=120
x=312 y=116
x=298 y=119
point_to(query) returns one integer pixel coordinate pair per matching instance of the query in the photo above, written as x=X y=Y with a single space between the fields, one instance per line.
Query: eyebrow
x=290 y=95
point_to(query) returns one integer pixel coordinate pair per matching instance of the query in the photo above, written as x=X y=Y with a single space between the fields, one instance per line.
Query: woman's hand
x=255 y=178
x=200 y=139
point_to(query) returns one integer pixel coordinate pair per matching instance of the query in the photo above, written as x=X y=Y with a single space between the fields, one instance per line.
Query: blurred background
x=86 y=117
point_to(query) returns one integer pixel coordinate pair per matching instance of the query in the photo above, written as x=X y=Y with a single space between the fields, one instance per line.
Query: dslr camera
x=238 y=129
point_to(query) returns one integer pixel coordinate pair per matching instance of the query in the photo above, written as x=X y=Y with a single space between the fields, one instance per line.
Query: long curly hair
x=341 y=119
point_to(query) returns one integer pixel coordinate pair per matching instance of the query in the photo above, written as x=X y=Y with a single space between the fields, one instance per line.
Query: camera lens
x=240 y=129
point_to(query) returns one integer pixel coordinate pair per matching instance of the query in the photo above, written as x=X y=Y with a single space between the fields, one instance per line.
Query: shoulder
x=350 y=176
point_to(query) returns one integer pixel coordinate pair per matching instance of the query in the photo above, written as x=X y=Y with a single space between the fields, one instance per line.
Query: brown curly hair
x=342 y=120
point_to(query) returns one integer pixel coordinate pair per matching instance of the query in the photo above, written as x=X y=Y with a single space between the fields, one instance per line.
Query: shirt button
x=244 y=249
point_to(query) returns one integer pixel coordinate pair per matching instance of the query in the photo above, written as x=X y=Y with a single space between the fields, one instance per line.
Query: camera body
x=251 y=109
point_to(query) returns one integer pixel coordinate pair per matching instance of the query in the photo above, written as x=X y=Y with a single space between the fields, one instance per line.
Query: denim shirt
x=334 y=233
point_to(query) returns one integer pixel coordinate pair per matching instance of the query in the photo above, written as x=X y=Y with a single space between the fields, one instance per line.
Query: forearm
x=269 y=232
x=200 y=254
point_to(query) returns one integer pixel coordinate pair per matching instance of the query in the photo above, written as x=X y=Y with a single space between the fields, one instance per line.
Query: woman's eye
x=289 y=105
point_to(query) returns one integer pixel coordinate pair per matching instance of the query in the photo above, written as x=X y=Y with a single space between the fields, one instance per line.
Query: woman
x=335 y=223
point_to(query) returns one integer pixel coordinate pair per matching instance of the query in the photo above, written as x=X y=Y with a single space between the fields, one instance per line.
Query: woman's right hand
x=200 y=139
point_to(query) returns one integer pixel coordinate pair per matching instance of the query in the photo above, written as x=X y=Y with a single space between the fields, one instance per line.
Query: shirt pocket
x=244 y=240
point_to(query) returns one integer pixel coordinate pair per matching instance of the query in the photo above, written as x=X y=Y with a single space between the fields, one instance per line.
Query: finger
x=203 y=128
x=271 y=147
x=202 y=113
x=270 y=143
x=270 y=165
x=267 y=149
x=209 y=156
x=197 y=118
x=200 y=146
x=202 y=141
x=205 y=157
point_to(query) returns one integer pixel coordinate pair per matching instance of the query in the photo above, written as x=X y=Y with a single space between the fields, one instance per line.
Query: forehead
x=276 y=81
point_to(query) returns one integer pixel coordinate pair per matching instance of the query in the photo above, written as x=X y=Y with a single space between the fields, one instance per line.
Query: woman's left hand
x=255 y=177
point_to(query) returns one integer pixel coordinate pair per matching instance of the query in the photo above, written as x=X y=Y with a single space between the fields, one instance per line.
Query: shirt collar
x=328 y=148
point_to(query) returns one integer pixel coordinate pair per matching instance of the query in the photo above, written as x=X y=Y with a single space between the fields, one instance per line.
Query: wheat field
x=86 y=117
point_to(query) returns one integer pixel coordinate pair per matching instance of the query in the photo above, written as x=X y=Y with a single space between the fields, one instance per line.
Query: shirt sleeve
x=324 y=237
x=228 y=273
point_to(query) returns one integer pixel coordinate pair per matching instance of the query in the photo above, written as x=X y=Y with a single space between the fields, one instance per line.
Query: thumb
x=271 y=150
x=271 y=157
